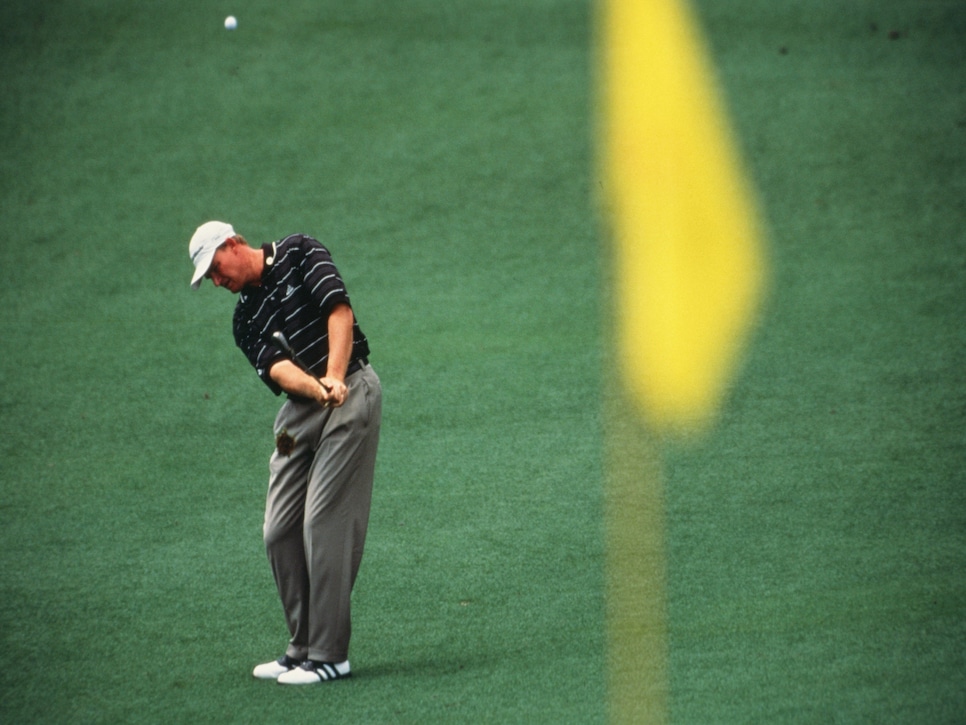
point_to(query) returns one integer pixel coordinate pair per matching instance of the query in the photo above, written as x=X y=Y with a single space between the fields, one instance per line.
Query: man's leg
x=337 y=514
x=296 y=431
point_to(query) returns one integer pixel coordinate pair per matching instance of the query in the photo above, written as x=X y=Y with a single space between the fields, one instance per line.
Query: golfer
x=326 y=433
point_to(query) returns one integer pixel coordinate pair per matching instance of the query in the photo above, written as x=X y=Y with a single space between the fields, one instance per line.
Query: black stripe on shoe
x=325 y=671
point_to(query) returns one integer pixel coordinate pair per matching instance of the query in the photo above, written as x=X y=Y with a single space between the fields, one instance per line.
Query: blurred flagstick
x=688 y=273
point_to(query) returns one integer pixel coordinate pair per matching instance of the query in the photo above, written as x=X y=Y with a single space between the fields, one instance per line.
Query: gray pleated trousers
x=317 y=513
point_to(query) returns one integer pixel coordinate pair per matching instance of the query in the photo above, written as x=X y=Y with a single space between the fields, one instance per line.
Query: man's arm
x=295 y=381
x=331 y=390
x=340 y=324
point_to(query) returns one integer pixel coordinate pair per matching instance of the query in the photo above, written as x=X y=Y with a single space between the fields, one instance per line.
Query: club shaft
x=288 y=350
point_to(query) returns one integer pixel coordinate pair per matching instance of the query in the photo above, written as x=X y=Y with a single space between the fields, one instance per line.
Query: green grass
x=440 y=150
x=444 y=151
x=818 y=541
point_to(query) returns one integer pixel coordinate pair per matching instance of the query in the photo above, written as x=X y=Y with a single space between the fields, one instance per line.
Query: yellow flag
x=687 y=248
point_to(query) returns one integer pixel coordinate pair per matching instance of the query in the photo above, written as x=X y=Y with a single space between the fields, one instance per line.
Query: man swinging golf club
x=295 y=324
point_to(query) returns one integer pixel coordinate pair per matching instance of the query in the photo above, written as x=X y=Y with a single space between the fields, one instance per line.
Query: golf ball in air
x=231 y=23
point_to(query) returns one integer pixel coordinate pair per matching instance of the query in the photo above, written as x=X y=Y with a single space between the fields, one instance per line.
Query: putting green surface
x=814 y=540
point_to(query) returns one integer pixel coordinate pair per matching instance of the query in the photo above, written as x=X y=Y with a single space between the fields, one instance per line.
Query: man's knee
x=277 y=534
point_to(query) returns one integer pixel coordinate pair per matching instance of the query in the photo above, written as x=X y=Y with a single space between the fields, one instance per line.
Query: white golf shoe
x=272 y=670
x=312 y=673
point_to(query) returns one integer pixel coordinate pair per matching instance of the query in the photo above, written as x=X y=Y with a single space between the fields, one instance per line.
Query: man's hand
x=332 y=392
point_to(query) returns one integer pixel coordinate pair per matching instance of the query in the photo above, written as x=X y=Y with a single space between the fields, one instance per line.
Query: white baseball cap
x=205 y=242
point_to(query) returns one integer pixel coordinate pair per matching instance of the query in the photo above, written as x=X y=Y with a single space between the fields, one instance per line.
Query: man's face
x=226 y=268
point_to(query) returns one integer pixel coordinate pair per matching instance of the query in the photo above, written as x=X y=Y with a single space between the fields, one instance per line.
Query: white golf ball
x=231 y=23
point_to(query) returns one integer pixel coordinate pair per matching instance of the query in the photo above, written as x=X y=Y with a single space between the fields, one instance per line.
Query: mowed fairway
x=444 y=151
x=817 y=542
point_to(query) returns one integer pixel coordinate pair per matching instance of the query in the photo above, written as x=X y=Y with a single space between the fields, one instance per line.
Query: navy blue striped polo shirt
x=300 y=288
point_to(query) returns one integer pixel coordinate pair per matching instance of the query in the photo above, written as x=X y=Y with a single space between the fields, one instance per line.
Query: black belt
x=356 y=365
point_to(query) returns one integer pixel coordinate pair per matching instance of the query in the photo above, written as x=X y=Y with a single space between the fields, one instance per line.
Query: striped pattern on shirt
x=300 y=288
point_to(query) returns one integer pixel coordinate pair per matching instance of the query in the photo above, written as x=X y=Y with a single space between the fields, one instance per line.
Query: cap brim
x=201 y=268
